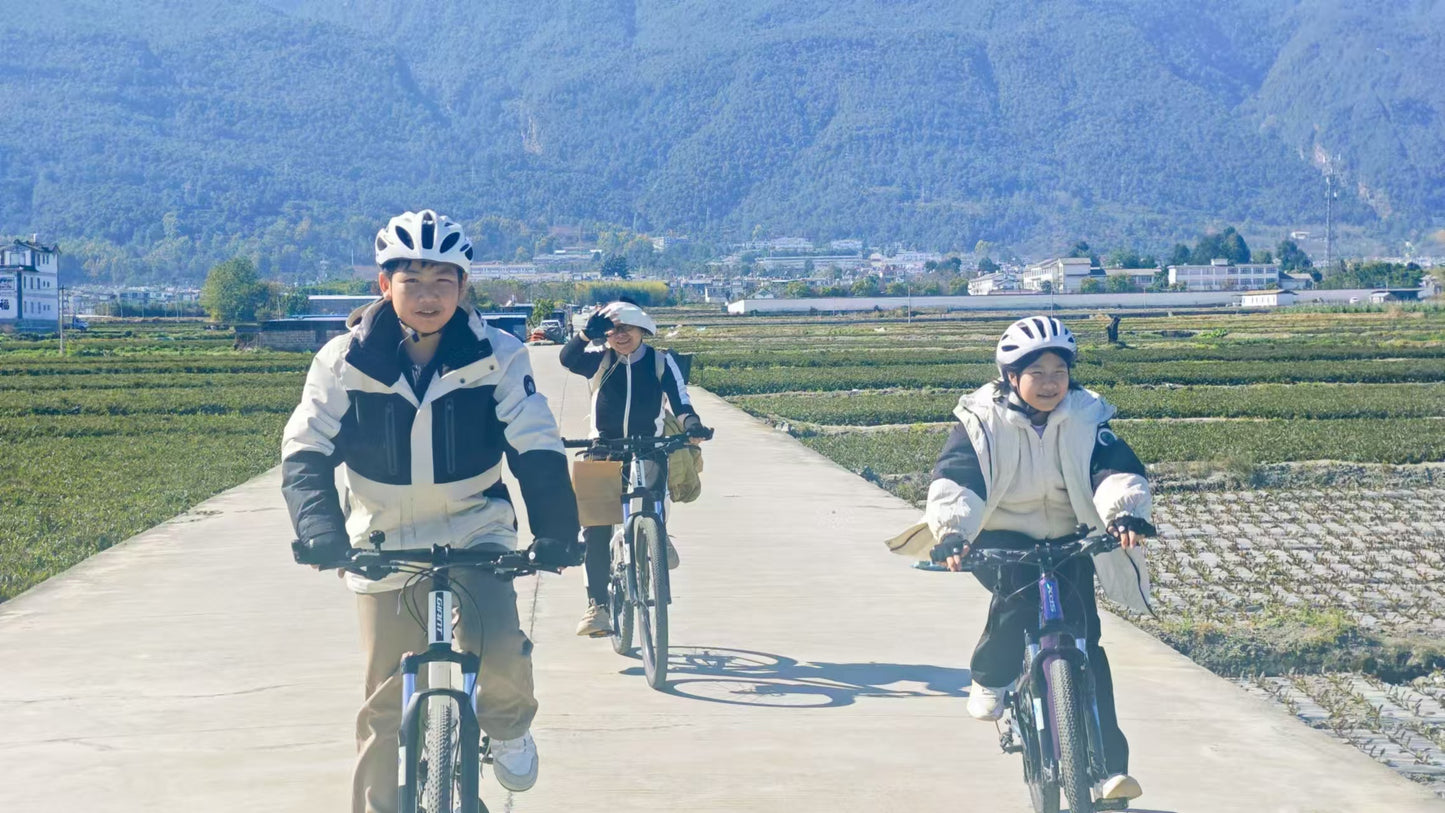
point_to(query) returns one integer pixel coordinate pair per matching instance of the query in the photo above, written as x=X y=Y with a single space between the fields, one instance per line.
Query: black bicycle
x=441 y=745
x=1053 y=711
x=638 y=581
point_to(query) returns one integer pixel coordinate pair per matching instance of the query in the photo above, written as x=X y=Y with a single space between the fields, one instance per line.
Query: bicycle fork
x=438 y=659
x=1054 y=643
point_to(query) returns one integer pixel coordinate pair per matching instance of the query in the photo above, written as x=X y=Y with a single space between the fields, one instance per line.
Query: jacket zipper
x=391 y=462
x=451 y=423
x=627 y=403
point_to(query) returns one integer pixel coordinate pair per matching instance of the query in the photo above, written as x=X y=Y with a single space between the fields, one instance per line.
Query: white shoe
x=1120 y=786
x=985 y=703
x=595 y=623
x=515 y=762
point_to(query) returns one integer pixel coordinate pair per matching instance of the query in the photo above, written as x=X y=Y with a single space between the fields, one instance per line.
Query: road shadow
x=747 y=678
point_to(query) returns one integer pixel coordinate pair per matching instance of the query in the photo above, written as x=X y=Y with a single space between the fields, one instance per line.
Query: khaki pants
x=486 y=623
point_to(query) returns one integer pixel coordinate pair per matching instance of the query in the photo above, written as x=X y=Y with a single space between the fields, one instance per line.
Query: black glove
x=692 y=425
x=597 y=327
x=328 y=549
x=1125 y=522
x=950 y=545
x=554 y=554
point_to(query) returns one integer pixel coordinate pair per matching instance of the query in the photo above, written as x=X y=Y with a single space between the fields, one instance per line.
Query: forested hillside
x=153 y=137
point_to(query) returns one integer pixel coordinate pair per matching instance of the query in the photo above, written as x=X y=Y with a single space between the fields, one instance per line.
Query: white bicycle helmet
x=626 y=313
x=423 y=235
x=1031 y=334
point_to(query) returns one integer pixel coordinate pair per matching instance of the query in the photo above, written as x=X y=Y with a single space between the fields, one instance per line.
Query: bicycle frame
x=639 y=500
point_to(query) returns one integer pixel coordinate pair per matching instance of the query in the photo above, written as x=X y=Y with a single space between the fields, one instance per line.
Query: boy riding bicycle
x=630 y=382
x=418 y=404
x=1033 y=454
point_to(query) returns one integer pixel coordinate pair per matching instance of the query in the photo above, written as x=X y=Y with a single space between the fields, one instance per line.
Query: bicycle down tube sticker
x=440 y=617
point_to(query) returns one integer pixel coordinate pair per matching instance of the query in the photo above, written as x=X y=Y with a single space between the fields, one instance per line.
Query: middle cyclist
x=629 y=381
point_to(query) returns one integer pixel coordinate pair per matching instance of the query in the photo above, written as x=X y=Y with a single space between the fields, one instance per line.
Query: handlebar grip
x=950 y=546
x=1132 y=523
x=576 y=444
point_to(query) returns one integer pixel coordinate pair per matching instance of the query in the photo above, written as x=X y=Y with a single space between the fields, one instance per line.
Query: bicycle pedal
x=1111 y=804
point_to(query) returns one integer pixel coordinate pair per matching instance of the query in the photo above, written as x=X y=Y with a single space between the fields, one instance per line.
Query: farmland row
x=747 y=381
x=877 y=357
x=1268 y=441
x=1320 y=401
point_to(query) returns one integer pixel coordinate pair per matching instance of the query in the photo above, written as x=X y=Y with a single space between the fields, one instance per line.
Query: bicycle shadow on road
x=747 y=678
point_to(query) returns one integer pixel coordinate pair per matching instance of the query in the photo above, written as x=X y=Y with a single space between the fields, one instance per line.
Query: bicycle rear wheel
x=1042 y=792
x=437 y=773
x=649 y=563
x=1068 y=721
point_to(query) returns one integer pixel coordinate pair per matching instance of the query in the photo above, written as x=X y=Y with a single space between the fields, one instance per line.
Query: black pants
x=998 y=658
x=598 y=561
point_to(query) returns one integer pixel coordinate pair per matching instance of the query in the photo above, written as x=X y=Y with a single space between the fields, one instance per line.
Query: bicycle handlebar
x=376 y=563
x=1082 y=542
x=643 y=445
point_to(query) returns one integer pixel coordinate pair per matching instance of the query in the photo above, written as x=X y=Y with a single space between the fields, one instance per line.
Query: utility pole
x=61 y=292
x=1329 y=212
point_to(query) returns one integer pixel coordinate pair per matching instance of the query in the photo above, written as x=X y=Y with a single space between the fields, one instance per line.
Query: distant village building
x=1295 y=282
x=1222 y=275
x=998 y=282
x=499 y=270
x=29 y=284
x=791 y=244
x=1395 y=295
x=661 y=244
x=1062 y=275
x=1268 y=299
x=846 y=245
x=1139 y=278
x=336 y=304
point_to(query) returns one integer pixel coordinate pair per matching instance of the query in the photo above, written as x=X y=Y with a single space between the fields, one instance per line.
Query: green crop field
x=134 y=425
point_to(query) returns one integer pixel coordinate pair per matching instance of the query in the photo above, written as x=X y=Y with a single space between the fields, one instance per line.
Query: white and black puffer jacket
x=425 y=470
x=629 y=393
x=980 y=465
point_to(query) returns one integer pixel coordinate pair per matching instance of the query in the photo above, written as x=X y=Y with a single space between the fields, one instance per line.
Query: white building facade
x=998 y=282
x=30 y=284
x=1222 y=275
x=1267 y=299
x=1062 y=275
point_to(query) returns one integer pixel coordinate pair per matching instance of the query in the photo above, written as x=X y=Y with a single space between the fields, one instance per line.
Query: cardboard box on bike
x=598 y=484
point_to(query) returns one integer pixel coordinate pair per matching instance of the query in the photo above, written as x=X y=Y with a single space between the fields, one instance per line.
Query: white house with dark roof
x=29 y=284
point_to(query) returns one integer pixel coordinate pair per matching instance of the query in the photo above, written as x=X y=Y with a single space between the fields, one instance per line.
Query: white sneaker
x=515 y=762
x=985 y=703
x=1120 y=786
x=595 y=623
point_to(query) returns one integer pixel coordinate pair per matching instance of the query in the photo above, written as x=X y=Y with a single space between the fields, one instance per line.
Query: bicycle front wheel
x=649 y=563
x=437 y=772
x=1072 y=736
x=1043 y=792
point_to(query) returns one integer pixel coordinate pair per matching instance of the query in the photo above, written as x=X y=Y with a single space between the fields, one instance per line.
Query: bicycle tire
x=1043 y=793
x=1072 y=736
x=619 y=607
x=649 y=561
x=440 y=757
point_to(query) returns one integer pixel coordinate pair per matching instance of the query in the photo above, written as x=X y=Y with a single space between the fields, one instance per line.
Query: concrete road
x=195 y=668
